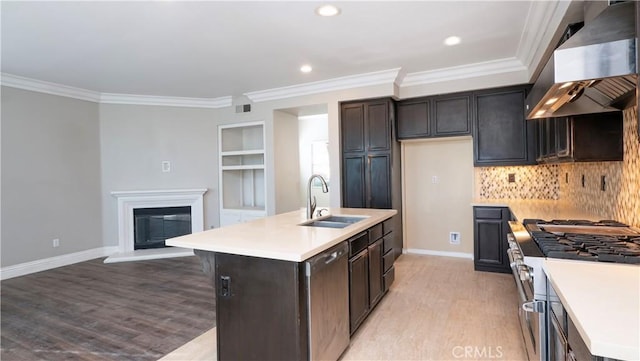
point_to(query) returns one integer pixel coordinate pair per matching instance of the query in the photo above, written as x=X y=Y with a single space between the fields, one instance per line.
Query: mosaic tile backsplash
x=620 y=200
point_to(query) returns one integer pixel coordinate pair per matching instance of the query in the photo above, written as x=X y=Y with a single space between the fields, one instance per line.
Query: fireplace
x=152 y=226
x=160 y=213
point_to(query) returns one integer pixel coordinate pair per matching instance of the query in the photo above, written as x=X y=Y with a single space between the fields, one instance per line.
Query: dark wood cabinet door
x=251 y=286
x=379 y=182
x=487 y=249
x=378 y=126
x=353 y=127
x=502 y=136
x=452 y=115
x=490 y=239
x=358 y=289
x=353 y=181
x=376 y=270
x=413 y=119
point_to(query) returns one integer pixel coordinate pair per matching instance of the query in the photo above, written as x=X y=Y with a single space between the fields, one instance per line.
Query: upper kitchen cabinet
x=581 y=138
x=366 y=126
x=370 y=169
x=501 y=134
x=438 y=116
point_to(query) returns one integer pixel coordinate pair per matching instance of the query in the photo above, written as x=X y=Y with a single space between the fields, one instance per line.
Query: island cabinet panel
x=358 y=289
x=376 y=287
x=502 y=135
x=370 y=161
x=371 y=270
x=490 y=239
x=255 y=296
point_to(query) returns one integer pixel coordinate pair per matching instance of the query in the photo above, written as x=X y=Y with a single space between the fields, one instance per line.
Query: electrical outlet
x=56 y=243
x=434 y=179
x=166 y=166
x=511 y=177
x=454 y=237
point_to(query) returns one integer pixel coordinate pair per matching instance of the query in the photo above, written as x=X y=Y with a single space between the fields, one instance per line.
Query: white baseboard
x=438 y=253
x=54 y=262
x=147 y=254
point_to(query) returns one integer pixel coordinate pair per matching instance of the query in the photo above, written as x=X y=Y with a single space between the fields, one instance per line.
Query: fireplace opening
x=152 y=226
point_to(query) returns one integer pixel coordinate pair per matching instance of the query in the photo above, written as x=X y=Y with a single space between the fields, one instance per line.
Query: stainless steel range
x=533 y=240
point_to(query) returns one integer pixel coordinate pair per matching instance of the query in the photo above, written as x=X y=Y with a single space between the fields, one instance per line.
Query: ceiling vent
x=243 y=108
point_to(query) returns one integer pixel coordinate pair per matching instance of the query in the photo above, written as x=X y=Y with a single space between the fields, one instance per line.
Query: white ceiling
x=216 y=49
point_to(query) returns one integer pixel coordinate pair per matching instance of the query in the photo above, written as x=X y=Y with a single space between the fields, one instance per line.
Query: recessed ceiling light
x=327 y=10
x=452 y=40
x=306 y=68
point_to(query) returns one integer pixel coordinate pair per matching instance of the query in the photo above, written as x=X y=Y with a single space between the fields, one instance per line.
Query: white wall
x=50 y=176
x=134 y=141
x=432 y=210
x=286 y=166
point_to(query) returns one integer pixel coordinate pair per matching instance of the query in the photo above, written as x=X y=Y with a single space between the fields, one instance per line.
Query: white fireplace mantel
x=130 y=200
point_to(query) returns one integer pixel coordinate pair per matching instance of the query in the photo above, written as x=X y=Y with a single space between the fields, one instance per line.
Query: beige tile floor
x=439 y=308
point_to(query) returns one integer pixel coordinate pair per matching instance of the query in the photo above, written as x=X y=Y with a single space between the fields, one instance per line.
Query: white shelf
x=241 y=167
x=242 y=172
x=242 y=152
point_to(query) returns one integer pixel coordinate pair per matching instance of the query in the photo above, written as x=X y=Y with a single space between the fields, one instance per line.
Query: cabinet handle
x=225 y=286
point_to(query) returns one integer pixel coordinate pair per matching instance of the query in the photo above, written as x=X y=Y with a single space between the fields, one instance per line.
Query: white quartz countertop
x=280 y=236
x=603 y=301
x=540 y=209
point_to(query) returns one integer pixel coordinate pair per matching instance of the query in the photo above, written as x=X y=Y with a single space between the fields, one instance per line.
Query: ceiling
x=218 y=49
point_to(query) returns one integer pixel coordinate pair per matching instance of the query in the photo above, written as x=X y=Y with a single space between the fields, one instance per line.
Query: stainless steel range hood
x=592 y=72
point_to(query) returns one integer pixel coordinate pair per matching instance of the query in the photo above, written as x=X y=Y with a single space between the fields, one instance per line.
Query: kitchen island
x=263 y=294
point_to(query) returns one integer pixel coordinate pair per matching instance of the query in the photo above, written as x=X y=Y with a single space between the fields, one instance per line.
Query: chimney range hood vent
x=593 y=71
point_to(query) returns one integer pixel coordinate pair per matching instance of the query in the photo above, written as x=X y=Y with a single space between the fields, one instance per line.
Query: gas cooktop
x=603 y=241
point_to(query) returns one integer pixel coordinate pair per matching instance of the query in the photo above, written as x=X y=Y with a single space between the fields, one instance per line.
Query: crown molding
x=40 y=86
x=463 y=72
x=348 y=82
x=545 y=15
x=132 y=99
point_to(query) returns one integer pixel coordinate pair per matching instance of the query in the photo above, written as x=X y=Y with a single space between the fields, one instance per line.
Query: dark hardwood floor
x=94 y=311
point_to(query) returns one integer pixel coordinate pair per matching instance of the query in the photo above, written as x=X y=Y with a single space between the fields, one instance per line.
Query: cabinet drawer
x=387 y=260
x=388 y=278
x=489 y=213
x=387 y=226
x=375 y=233
x=387 y=243
x=358 y=243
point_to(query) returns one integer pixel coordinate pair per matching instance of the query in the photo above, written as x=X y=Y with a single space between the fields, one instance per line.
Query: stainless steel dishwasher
x=328 y=301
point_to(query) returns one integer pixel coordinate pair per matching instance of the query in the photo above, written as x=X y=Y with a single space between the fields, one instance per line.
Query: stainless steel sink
x=333 y=221
x=343 y=219
x=325 y=224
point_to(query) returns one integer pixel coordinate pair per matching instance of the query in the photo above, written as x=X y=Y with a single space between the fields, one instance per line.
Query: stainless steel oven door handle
x=534 y=306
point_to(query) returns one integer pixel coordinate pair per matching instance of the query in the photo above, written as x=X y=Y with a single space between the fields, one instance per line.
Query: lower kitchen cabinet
x=371 y=270
x=358 y=289
x=260 y=293
x=490 y=228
